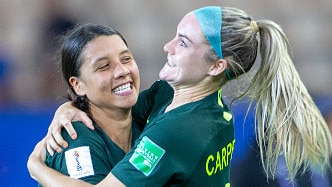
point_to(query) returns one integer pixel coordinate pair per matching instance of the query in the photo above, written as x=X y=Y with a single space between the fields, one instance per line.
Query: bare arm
x=49 y=177
x=63 y=117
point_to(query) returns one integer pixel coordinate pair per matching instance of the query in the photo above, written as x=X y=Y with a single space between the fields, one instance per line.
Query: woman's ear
x=77 y=85
x=218 y=67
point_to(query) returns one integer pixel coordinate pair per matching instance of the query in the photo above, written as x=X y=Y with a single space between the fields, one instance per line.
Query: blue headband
x=210 y=20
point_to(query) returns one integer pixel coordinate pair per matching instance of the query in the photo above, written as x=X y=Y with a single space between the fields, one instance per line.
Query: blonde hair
x=287 y=120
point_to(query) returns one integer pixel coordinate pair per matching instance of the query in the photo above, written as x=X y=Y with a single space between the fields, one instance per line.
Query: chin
x=162 y=76
x=129 y=104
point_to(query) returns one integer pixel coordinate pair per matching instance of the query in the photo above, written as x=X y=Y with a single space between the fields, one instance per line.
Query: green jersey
x=191 y=145
x=91 y=156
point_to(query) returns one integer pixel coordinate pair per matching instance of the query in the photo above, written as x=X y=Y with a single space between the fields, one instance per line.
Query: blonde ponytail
x=287 y=120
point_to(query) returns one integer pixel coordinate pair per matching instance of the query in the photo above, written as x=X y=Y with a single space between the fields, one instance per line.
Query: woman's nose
x=121 y=71
x=168 y=47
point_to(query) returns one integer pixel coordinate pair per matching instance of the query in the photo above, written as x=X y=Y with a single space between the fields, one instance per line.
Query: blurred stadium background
x=30 y=82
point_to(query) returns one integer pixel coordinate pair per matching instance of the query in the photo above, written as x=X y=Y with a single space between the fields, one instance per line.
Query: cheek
x=98 y=83
x=135 y=72
x=196 y=69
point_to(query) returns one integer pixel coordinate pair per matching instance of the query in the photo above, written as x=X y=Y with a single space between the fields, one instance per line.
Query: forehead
x=190 y=27
x=101 y=44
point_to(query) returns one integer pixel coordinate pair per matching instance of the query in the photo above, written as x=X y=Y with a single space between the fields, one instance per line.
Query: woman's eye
x=183 y=44
x=126 y=59
x=103 y=67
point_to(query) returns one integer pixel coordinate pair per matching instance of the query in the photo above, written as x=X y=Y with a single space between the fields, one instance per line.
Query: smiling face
x=186 y=64
x=109 y=74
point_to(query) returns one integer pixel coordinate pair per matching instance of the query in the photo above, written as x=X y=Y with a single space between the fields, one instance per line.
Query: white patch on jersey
x=78 y=161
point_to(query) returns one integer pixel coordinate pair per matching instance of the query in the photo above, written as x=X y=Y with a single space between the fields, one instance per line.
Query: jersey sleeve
x=85 y=158
x=146 y=167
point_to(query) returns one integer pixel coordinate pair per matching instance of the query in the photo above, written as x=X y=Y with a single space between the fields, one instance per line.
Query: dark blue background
x=20 y=129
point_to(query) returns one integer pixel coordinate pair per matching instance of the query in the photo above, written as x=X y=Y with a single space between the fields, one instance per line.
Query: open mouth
x=170 y=64
x=123 y=88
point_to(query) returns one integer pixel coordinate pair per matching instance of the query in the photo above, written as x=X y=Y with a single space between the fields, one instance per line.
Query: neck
x=191 y=93
x=116 y=124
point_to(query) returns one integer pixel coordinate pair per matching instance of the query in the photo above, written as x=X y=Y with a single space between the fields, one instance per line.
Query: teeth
x=122 y=88
x=170 y=64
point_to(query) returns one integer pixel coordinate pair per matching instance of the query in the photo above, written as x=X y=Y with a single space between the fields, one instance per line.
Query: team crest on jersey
x=78 y=161
x=146 y=156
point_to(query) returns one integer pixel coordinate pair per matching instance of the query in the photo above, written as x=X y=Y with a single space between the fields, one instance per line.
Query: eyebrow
x=186 y=37
x=125 y=51
x=105 y=58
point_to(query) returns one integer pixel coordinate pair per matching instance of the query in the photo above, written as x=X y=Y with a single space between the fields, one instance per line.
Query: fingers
x=55 y=134
x=65 y=120
x=54 y=139
x=69 y=112
x=86 y=120
x=50 y=149
x=52 y=145
x=63 y=117
x=71 y=131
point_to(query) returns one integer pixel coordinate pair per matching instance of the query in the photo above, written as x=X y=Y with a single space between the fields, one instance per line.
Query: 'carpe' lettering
x=218 y=161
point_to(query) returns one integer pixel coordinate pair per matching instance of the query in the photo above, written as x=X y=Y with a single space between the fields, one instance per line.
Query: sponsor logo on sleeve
x=78 y=161
x=146 y=156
